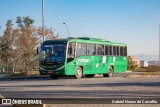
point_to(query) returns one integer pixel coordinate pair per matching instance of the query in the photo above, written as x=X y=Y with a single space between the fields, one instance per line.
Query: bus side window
x=81 y=49
x=118 y=51
x=110 y=50
x=91 y=49
x=125 y=51
x=100 y=49
x=115 y=50
x=121 y=51
x=107 y=50
x=71 y=52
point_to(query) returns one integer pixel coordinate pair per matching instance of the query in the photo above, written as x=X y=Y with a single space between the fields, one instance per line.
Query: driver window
x=71 y=51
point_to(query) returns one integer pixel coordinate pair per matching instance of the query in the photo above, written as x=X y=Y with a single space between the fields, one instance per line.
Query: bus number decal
x=82 y=60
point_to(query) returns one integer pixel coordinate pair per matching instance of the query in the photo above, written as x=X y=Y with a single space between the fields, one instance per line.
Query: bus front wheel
x=79 y=73
x=110 y=72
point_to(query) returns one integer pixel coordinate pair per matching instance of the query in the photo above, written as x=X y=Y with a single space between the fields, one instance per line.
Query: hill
x=147 y=57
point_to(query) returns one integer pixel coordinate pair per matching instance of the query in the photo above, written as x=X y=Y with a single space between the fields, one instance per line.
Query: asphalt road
x=115 y=87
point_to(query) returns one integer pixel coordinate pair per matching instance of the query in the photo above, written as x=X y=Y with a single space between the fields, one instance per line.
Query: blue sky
x=134 y=22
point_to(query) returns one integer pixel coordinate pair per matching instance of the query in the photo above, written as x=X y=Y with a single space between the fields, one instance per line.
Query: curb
x=24 y=77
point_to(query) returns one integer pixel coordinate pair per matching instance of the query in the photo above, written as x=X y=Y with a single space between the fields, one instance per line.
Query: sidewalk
x=3 y=75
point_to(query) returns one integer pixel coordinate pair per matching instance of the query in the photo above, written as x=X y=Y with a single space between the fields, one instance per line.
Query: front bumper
x=58 y=71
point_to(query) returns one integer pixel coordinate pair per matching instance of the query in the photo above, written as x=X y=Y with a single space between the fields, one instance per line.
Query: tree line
x=19 y=42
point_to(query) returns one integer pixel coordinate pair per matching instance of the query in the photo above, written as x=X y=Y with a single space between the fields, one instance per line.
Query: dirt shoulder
x=145 y=74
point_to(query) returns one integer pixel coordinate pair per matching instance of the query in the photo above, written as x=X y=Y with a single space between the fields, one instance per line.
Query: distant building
x=134 y=60
x=144 y=63
x=155 y=63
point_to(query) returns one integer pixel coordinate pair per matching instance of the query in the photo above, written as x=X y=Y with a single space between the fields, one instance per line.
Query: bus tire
x=79 y=73
x=90 y=75
x=110 y=72
x=54 y=76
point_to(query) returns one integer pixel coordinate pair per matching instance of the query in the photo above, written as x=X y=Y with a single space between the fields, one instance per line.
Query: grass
x=145 y=74
x=151 y=74
x=150 y=71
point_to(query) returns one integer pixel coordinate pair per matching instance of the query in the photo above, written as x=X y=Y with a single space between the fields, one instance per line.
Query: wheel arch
x=112 y=67
x=81 y=68
x=78 y=74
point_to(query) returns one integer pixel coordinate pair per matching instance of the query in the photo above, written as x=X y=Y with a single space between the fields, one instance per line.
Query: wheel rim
x=110 y=72
x=79 y=73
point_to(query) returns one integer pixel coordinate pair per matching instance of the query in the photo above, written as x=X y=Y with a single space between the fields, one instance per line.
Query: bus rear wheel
x=54 y=76
x=79 y=73
x=90 y=75
x=110 y=72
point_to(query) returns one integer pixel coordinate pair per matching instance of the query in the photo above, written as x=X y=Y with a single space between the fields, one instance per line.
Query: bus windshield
x=52 y=52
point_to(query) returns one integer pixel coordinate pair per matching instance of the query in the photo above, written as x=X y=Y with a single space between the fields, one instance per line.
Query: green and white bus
x=82 y=56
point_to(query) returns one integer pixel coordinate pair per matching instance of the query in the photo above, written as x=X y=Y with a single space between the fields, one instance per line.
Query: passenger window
x=125 y=51
x=118 y=50
x=108 y=50
x=121 y=51
x=81 y=49
x=100 y=49
x=91 y=49
x=114 y=50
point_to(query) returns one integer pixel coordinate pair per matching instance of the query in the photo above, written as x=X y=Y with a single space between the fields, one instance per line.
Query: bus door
x=70 y=66
x=71 y=52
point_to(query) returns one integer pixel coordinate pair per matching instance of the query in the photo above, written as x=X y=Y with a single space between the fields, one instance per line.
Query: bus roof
x=84 y=40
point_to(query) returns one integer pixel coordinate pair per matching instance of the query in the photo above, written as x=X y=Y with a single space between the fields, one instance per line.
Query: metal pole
x=0 y=31
x=159 y=45
x=67 y=28
x=43 y=33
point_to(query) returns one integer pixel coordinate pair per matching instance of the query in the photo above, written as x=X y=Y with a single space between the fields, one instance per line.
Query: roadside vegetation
x=145 y=74
x=156 y=74
x=18 y=46
x=134 y=67
x=150 y=71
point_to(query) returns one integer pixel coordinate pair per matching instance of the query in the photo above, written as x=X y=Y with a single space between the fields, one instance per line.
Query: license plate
x=50 y=72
